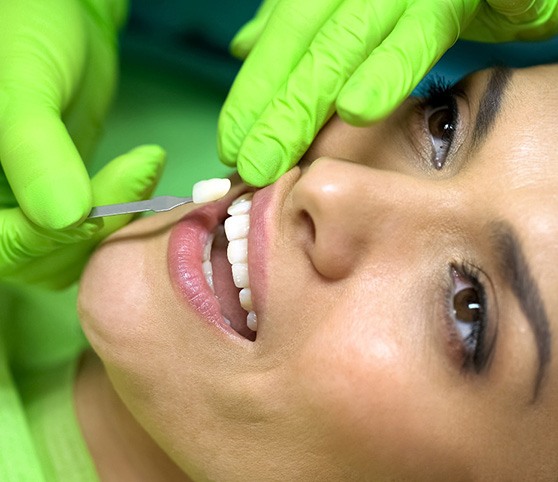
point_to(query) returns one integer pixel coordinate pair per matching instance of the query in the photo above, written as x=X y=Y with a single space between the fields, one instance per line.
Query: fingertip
x=153 y=157
x=243 y=42
x=251 y=175
x=241 y=45
x=357 y=119
x=243 y=32
x=362 y=107
x=240 y=50
x=225 y=151
x=269 y=167
x=43 y=166
x=355 y=107
x=129 y=176
x=153 y=151
x=59 y=203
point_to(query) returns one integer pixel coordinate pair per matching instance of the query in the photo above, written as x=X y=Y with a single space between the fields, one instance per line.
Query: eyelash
x=438 y=94
x=473 y=350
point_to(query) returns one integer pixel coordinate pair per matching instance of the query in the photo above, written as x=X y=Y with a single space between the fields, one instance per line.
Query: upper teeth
x=237 y=227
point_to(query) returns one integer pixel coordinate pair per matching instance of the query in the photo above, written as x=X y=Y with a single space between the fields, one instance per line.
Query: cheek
x=373 y=394
x=108 y=299
x=381 y=145
x=117 y=301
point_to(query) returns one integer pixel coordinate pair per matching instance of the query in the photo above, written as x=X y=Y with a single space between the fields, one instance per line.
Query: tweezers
x=157 y=204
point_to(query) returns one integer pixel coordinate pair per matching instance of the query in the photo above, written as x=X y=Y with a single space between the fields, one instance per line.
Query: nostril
x=330 y=228
x=309 y=222
x=306 y=229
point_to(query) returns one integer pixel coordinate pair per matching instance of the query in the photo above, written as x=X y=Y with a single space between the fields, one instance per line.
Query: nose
x=353 y=210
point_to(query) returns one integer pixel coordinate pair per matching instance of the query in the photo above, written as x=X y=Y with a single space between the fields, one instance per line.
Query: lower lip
x=185 y=252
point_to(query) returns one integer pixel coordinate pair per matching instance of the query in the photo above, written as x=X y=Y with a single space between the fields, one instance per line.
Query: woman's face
x=404 y=282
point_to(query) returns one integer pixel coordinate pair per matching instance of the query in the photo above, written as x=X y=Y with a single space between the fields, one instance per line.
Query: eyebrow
x=518 y=275
x=490 y=103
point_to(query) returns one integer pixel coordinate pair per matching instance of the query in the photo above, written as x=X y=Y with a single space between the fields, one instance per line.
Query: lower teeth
x=252 y=321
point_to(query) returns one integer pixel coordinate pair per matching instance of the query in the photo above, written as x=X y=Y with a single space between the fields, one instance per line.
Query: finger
x=55 y=264
x=42 y=62
x=290 y=122
x=504 y=21
x=85 y=115
x=287 y=36
x=248 y=35
x=22 y=241
x=130 y=177
x=395 y=68
x=42 y=165
x=59 y=256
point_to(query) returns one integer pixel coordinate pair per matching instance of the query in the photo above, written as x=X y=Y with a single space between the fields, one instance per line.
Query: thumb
x=130 y=177
x=55 y=258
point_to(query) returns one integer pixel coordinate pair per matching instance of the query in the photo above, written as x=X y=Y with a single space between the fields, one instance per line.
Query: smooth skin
x=359 y=58
x=356 y=372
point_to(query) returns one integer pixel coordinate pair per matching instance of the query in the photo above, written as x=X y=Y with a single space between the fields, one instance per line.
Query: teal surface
x=466 y=57
x=158 y=104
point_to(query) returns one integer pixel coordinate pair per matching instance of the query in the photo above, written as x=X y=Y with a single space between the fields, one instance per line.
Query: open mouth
x=225 y=266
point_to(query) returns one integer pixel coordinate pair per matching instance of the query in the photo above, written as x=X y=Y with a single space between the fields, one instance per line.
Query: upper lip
x=264 y=218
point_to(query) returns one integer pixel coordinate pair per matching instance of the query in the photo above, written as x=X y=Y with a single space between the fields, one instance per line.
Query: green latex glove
x=359 y=57
x=55 y=258
x=58 y=62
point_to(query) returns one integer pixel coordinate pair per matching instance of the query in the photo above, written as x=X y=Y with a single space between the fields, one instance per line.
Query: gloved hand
x=57 y=76
x=55 y=258
x=359 y=57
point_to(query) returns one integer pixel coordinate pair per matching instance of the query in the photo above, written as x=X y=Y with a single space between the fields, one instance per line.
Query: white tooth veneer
x=207 y=267
x=207 y=248
x=240 y=206
x=240 y=275
x=237 y=227
x=252 y=321
x=237 y=251
x=245 y=297
x=210 y=190
x=208 y=273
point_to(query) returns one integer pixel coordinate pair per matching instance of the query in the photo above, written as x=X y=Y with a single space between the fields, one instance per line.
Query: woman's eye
x=440 y=117
x=467 y=306
x=441 y=122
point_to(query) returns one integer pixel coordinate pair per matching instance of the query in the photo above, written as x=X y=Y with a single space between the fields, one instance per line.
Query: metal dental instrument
x=157 y=204
x=202 y=192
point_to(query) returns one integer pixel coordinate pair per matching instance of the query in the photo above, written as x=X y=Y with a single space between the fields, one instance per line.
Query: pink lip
x=185 y=255
x=266 y=204
x=189 y=236
x=258 y=242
